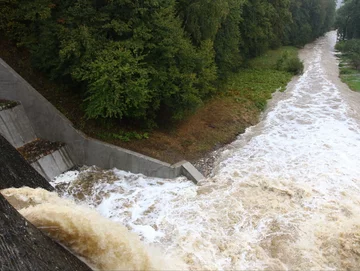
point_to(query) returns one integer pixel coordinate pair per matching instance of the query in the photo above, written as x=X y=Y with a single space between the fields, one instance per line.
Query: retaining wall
x=50 y=124
x=15 y=126
x=54 y=164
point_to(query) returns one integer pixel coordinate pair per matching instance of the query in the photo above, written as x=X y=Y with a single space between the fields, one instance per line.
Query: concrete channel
x=48 y=123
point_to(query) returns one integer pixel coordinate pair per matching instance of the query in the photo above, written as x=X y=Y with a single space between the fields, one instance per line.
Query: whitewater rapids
x=284 y=196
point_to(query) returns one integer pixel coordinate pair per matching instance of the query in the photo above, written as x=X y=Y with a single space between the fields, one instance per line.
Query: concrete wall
x=15 y=126
x=50 y=124
x=54 y=164
x=17 y=130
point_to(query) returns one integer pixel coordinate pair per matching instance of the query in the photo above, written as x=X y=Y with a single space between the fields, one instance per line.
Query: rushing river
x=284 y=196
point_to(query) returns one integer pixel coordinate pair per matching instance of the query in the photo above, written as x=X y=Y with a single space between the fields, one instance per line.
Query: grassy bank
x=218 y=122
x=350 y=62
x=349 y=74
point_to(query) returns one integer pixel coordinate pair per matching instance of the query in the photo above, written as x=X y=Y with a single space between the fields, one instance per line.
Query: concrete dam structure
x=36 y=117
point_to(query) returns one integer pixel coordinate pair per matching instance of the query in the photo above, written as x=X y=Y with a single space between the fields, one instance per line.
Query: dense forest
x=348 y=20
x=348 y=25
x=140 y=59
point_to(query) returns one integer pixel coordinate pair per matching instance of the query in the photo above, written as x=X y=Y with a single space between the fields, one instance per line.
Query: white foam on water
x=285 y=195
x=99 y=242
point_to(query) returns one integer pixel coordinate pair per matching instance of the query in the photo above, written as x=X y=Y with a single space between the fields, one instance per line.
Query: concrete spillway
x=15 y=126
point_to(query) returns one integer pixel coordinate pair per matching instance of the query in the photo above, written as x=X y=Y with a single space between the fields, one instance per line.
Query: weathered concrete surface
x=49 y=123
x=25 y=248
x=106 y=155
x=54 y=164
x=190 y=172
x=16 y=127
x=16 y=172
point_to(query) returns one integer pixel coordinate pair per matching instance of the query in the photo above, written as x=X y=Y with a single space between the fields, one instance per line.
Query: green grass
x=270 y=58
x=261 y=79
x=352 y=80
x=348 y=74
x=122 y=135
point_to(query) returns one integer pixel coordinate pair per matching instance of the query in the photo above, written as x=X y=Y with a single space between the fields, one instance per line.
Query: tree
x=310 y=19
x=228 y=40
x=117 y=83
x=144 y=59
x=348 y=20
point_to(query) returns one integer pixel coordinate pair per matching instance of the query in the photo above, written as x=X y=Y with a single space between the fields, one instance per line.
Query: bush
x=117 y=84
x=295 y=66
x=351 y=48
x=289 y=64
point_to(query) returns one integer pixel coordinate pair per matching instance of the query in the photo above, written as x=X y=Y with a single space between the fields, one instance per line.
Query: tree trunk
x=15 y=171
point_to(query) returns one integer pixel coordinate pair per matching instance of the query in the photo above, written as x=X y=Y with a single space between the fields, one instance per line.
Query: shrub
x=295 y=66
x=351 y=48
x=117 y=84
x=289 y=64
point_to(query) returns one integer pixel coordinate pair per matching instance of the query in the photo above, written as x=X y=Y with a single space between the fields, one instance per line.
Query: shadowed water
x=283 y=196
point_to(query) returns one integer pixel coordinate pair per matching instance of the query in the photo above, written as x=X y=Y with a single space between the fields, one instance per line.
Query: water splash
x=103 y=244
x=283 y=196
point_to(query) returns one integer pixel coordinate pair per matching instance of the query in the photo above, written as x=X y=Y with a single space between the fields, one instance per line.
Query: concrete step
x=50 y=159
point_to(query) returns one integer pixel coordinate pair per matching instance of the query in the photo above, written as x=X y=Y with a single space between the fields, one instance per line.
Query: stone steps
x=50 y=159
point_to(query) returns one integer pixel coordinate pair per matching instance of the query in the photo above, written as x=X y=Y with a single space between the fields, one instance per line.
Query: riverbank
x=348 y=73
x=348 y=54
x=236 y=107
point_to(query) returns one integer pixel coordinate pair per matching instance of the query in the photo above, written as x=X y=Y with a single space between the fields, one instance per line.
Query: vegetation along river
x=285 y=195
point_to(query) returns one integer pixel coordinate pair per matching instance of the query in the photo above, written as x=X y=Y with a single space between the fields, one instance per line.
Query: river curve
x=284 y=196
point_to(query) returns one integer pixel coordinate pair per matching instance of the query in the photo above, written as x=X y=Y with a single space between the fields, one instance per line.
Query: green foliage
x=294 y=66
x=350 y=62
x=291 y=64
x=261 y=79
x=348 y=24
x=228 y=40
x=255 y=28
x=180 y=74
x=156 y=60
x=353 y=81
x=310 y=19
x=348 y=20
x=19 y=19
x=263 y=25
x=202 y=18
x=257 y=85
x=123 y=136
x=349 y=74
x=351 y=49
x=117 y=84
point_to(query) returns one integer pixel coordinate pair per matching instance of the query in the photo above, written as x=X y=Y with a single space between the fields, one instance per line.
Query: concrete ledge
x=190 y=172
x=15 y=126
x=53 y=164
x=50 y=124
